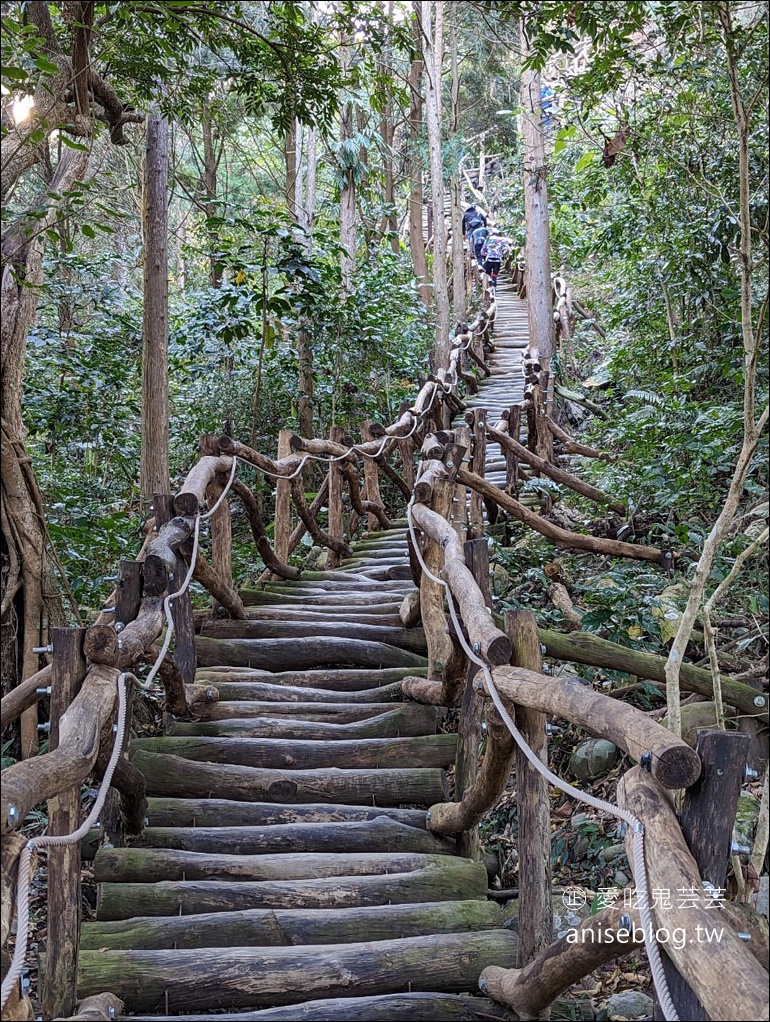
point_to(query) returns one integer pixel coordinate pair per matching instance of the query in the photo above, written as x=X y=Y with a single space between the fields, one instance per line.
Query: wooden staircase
x=286 y=871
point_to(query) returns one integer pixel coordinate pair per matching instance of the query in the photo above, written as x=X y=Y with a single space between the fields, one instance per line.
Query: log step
x=324 y=651
x=311 y=631
x=332 y=713
x=277 y=753
x=458 y=880
x=217 y=812
x=403 y=721
x=173 y=775
x=341 y=679
x=378 y=834
x=258 y=927
x=267 y=692
x=253 y=977
x=416 y=1007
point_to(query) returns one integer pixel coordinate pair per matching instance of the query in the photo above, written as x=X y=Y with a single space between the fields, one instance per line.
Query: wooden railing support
x=336 y=522
x=181 y=606
x=60 y=977
x=707 y=817
x=535 y=906
x=371 y=478
x=128 y=592
x=282 y=520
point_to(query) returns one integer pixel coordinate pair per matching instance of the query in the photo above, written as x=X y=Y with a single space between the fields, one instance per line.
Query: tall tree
x=348 y=158
x=537 y=247
x=416 y=196
x=154 y=471
x=458 y=254
x=430 y=17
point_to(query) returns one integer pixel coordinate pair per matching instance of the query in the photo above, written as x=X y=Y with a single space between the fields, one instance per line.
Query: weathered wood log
x=488 y=641
x=561 y=537
x=336 y=544
x=300 y=528
x=103 y=645
x=265 y=692
x=272 y=598
x=341 y=680
x=412 y=639
x=429 y=477
x=378 y=834
x=174 y=775
x=10 y=849
x=264 y=548
x=218 y=588
x=322 y=651
x=153 y=865
x=98 y=1008
x=284 y=467
x=362 y=506
x=274 y=927
x=671 y=760
x=424 y=751
x=335 y=513
x=584 y=648
x=400 y=483
x=409 y=611
x=330 y=713
x=213 y=812
x=703 y=963
x=15 y=702
x=192 y=497
x=379 y=614
x=572 y=446
x=244 y=977
x=593 y=943
x=181 y=605
x=35 y=780
x=161 y=557
x=507 y=443
x=452 y=880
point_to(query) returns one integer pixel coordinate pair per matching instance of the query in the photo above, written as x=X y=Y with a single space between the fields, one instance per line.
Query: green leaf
x=70 y=143
x=87 y=230
x=43 y=64
x=585 y=161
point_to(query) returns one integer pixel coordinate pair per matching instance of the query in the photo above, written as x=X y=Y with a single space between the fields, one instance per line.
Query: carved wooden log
x=283 y=467
x=409 y=611
x=341 y=680
x=422 y=752
x=704 y=964
x=192 y=496
x=323 y=712
x=263 y=691
x=561 y=537
x=320 y=651
x=334 y=543
x=671 y=761
x=97 y=1008
x=103 y=645
x=492 y=644
x=300 y=529
x=173 y=682
x=218 y=588
x=270 y=927
x=331 y=448
x=404 y=720
x=35 y=780
x=241 y=977
x=251 y=507
x=507 y=443
x=160 y=559
x=596 y=941
x=572 y=446
x=427 y=480
x=585 y=648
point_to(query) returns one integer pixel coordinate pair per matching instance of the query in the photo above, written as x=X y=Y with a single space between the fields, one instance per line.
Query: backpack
x=479 y=235
x=494 y=249
x=474 y=222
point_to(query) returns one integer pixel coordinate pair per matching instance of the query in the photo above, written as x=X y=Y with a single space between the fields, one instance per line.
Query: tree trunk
x=210 y=166
x=291 y=163
x=416 y=236
x=458 y=254
x=430 y=17
x=538 y=256
x=154 y=473
x=348 y=190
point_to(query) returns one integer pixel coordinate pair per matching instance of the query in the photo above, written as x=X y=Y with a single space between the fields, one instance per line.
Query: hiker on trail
x=493 y=253
x=472 y=218
x=476 y=242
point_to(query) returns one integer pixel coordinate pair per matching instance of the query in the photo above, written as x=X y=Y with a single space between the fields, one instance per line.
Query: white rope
x=637 y=829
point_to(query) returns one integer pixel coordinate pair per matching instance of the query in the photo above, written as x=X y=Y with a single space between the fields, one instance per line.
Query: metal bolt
x=646 y=761
x=543 y=649
x=552 y=729
x=622 y=829
x=743 y=936
x=171 y=574
x=119 y=626
x=13 y=815
x=760 y=700
x=146 y=821
x=749 y=774
x=45 y=690
x=49 y=649
x=111 y=1012
x=450 y=464
x=108 y=610
x=24 y=983
x=625 y=922
x=476 y=647
x=44 y=727
x=428 y=815
x=736 y=848
x=114 y=729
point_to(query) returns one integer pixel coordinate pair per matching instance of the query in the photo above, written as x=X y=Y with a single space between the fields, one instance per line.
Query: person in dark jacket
x=472 y=218
x=477 y=239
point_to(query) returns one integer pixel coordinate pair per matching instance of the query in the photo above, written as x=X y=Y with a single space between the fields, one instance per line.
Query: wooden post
x=181 y=606
x=371 y=477
x=511 y=461
x=282 y=520
x=477 y=465
x=59 y=981
x=440 y=648
x=472 y=706
x=535 y=908
x=221 y=541
x=459 y=513
x=128 y=592
x=707 y=817
x=336 y=523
